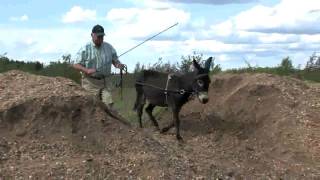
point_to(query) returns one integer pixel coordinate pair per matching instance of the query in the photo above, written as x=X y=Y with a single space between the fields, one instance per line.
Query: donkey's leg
x=176 y=119
x=139 y=112
x=167 y=128
x=139 y=104
x=149 y=110
x=171 y=125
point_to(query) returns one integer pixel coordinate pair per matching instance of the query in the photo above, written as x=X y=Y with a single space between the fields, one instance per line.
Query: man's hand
x=83 y=69
x=122 y=66
x=90 y=71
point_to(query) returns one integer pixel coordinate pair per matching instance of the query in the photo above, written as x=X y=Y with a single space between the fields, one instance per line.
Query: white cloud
x=152 y=4
x=290 y=21
x=123 y=15
x=212 y=1
x=223 y=57
x=78 y=14
x=223 y=29
x=21 y=18
x=259 y=34
x=234 y=39
x=43 y=44
x=140 y=22
x=288 y=28
x=288 y=17
x=277 y=38
x=206 y=45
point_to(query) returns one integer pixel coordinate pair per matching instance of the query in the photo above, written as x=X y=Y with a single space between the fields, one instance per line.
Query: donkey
x=171 y=90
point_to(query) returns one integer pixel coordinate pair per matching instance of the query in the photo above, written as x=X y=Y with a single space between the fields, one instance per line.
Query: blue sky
x=233 y=31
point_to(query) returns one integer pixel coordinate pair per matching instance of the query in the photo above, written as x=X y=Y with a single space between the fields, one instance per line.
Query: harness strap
x=166 y=89
x=181 y=91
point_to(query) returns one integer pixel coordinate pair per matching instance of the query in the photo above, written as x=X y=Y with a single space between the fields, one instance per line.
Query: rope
x=182 y=91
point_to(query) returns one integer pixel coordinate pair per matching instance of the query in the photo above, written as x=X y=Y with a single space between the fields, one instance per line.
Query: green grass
x=125 y=105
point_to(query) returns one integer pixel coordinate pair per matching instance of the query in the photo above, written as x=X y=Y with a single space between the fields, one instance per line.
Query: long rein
x=166 y=90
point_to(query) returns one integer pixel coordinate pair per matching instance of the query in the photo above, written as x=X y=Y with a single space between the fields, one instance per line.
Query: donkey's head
x=201 y=81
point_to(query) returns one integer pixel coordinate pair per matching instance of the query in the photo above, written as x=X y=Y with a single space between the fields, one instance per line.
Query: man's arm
x=115 y=60
x=80 y=60
x=83 y=69
x=116 y=63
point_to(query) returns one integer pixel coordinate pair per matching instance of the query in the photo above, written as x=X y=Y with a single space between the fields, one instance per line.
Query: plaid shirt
x=99 y=58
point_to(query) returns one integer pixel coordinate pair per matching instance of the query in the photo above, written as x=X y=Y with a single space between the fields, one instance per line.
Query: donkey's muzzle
x=203 y=97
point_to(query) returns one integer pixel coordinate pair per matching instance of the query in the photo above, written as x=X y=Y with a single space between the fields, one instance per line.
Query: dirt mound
x=260 y=124
x=50 y=127
x=44 y=107
x=254 y=126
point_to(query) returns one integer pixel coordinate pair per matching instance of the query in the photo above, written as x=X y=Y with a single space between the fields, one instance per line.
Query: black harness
x=166 y=90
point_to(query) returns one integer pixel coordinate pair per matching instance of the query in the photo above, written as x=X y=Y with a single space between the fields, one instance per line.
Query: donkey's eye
x=200 y=82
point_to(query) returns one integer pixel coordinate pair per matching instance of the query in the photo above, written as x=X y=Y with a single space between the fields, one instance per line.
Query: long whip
x=147 y=39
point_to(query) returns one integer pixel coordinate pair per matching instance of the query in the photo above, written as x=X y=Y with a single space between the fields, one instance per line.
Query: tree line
x=184 y=66
x=59 y=68
x=62 y=67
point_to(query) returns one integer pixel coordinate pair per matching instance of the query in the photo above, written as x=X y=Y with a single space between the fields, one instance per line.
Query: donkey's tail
x=135 y=106
x=139 y=97
x=136 y=103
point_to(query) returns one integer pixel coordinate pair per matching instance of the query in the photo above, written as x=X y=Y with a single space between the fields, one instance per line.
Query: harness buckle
x=182 y=91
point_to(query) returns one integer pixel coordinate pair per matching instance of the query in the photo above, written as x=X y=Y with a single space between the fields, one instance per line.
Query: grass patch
x=125 y=106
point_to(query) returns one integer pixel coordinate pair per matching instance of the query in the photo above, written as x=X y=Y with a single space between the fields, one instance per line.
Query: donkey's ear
x=195 y=64
x=208 y=63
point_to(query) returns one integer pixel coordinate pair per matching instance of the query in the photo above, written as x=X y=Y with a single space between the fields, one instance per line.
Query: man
x=94 y=62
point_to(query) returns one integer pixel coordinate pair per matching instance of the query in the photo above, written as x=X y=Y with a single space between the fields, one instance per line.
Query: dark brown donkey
x=171 y=90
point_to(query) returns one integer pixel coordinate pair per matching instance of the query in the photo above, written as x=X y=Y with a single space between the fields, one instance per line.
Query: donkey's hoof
x=164 y=130
x=179 y=138
x=157 y=128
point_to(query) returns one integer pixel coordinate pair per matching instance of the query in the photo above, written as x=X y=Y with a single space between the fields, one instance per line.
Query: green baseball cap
x=98 y=30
